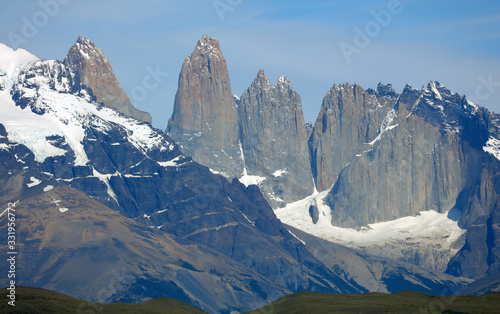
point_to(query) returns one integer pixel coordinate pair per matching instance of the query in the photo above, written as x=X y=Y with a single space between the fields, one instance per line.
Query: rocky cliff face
x=349 y=118
x=205 y=121
x=92 y=70
x=384 y=155
x=480 y=202
x=434 y=150
x=274 y=139
x=418 y=161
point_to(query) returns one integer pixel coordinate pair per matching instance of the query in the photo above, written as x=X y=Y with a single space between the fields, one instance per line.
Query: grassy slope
x=403 y=302
x=34 y=300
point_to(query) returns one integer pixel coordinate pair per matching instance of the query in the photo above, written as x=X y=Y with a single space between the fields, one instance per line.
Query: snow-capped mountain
x=96 y=184
x=92 y=70
x=42 y=103
x=55 y=137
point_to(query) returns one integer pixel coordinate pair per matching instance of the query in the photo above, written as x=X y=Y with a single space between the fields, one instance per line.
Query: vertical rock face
x=349 y=118
x=274 y=139
x=481 y=203
x=204 y=121
x=260 y=139
x=418 y=161
x=91 y=68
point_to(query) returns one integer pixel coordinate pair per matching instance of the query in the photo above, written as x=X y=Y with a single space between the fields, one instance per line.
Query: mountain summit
x=204 y=121
x=274 y=139
x=93 y=71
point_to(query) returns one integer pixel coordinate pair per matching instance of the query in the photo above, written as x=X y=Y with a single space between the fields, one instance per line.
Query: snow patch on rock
x=48 y=188
x=279 y=173
x=34 y=182
x=493 y=147
x=63 y=209
x=429 y=230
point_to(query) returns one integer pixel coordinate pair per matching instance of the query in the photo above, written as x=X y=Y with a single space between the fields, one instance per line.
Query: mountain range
x=372 y=156
x=240 y=202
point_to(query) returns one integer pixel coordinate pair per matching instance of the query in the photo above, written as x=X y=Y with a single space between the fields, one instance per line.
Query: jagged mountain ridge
x=433 y=156
x=382 y=156
x=422 y=168
x=434 y=151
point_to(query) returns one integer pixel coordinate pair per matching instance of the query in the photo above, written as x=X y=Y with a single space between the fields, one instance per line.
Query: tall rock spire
x=275 y=139
x=204 y=121
x=259 y=139
x=93 y=71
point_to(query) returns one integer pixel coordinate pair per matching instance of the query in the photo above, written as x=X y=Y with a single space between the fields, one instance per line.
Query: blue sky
x=454 y=42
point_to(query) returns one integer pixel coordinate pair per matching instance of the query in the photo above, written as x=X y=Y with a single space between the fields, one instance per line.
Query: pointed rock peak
x=206 y=41
x=341 y=87
x=93 y=70
x=386 y=90
x=261 y=74
x=433 y=85
x=409 y=96
x=333 y=90
x=84 y=41
x=261 y=80
x=87 y=60
x=357 y=88
x=282 y=80
x=84 y=48
x=408 y=88
x=438 y=90
x=204 y=119
x=283 y=83
x=208 y=46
